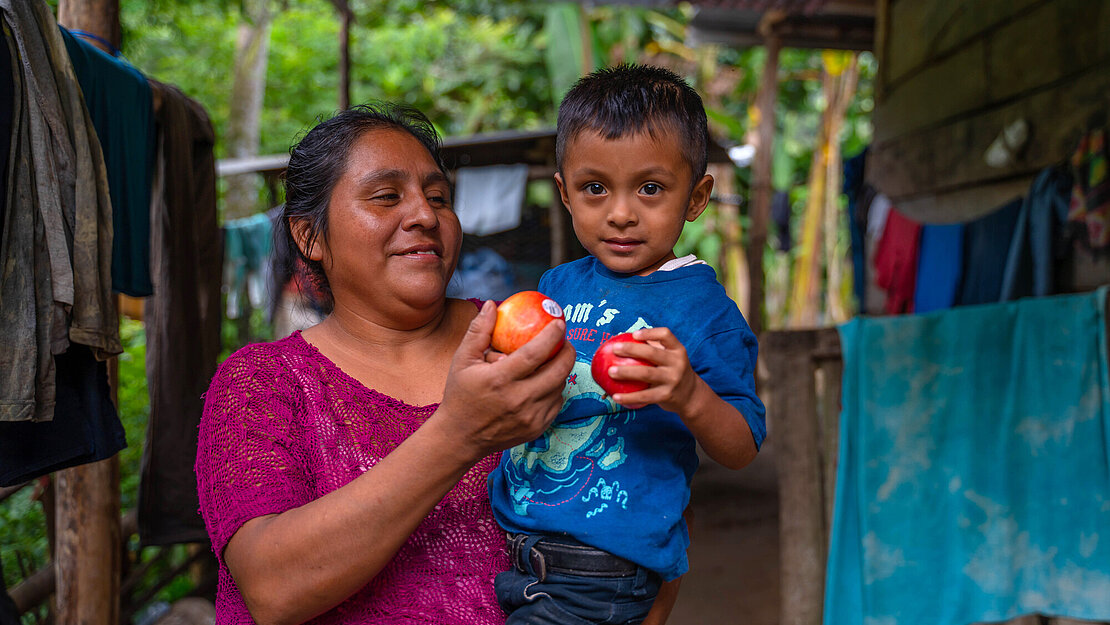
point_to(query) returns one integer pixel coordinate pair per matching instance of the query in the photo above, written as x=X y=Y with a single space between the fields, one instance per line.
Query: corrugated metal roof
x=794 y=7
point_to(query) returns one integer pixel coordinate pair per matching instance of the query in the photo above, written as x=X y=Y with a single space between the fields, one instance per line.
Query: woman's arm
x=295 y=565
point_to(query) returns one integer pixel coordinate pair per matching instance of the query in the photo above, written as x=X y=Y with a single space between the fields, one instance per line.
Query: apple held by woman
x=521 y=317
x=604 y=358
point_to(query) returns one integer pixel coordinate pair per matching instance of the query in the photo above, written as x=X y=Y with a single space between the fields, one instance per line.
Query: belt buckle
x=538 y=562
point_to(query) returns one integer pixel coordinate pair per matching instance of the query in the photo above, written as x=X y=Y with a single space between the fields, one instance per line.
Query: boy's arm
x=718 y=426
x=668 y=592
x=664 y=603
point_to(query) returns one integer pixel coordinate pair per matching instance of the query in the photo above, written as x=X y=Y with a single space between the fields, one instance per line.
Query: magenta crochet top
x=282 y=426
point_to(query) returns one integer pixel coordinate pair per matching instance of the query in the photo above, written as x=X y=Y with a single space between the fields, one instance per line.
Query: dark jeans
x=572 y=599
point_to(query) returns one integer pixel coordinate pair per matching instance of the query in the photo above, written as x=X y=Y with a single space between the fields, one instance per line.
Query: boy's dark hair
x=625 y=99
x=317 y=162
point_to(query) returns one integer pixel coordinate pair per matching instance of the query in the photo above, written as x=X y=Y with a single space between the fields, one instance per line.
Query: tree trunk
x=734 y=265
x=345 y=61
x=838 y=80
x=96 y=17
x=845 y=89
x=346 y=16
x=248 y=89
x=804 y=303
x=764 y=141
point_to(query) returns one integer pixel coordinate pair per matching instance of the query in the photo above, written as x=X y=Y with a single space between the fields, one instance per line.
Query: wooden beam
x=8 y=491
x=33 y=590
x=761 y=180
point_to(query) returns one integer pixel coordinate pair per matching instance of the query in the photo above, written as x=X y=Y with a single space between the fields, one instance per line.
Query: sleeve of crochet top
x=246 y=465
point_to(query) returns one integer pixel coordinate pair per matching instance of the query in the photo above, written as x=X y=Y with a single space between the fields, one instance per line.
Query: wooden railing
x=137 y=588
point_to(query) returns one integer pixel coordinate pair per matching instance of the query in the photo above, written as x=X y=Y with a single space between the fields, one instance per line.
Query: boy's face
x=629 y=197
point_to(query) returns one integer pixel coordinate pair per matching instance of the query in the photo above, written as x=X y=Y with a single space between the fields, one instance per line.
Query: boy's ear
x=562 y=190
x=299 y=228
x=699 y=197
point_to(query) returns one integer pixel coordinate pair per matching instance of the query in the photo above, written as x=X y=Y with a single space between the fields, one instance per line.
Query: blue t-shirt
x=610 y=477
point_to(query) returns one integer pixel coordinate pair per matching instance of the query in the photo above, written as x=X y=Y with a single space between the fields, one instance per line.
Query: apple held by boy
x=522 y=316
x=604 y=358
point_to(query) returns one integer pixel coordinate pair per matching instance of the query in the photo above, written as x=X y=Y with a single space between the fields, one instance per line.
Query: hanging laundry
x=1090 y=197
x=7 y=85
x=483 y=274
x=874 y=297
x=120 y=104
x=1037 y=245
x=860 y=196
x=182 y=318
x=85 y=427
x=972 y=483
x=939 y=267
x=248 y=243
x=489 y=199
x=986 y=249
x=780 y=215
x=58 y=221
x=896 y=261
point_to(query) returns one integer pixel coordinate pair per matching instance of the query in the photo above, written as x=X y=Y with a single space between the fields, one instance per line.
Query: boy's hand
x=672 y=380
x=717 y=425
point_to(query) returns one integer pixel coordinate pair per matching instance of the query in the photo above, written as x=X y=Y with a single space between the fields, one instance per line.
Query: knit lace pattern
x=283 y=426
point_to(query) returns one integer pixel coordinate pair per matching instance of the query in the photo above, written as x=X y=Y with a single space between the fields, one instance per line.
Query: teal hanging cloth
x=120 y=104
x=973 y=483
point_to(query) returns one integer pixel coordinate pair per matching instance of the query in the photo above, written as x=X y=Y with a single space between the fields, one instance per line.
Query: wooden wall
x=953 y=73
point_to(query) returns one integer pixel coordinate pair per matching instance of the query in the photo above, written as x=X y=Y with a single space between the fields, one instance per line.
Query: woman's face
x=393 y=236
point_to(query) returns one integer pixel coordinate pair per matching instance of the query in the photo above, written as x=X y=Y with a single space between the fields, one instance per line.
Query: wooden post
x=793 y=404
x=557 y=216
x=96 y=17
x=761 y=179
x=87 y=499
x=88 y=537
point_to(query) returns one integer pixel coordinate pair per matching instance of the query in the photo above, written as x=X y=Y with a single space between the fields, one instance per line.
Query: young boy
x=594 y=507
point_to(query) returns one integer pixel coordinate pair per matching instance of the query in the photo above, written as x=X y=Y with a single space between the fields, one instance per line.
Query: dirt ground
x=734 y=550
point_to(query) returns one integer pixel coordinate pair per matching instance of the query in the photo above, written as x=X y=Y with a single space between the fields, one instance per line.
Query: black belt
x=559 y=555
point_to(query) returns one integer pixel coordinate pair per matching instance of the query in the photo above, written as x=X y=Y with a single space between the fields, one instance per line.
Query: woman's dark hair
x=316 y=164
x=626 y=99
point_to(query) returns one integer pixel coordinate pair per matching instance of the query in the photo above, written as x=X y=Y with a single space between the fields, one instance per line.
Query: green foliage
x=567 y=56
x=134 y=408
x=467 y=73
x=23 y=544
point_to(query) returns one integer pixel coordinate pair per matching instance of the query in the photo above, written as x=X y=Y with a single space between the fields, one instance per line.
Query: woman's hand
x=491 y=406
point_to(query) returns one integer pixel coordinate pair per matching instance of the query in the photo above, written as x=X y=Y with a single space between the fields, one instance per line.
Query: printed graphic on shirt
x=567 y=464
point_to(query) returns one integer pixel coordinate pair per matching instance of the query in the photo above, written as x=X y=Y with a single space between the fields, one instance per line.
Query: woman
x=342 y=470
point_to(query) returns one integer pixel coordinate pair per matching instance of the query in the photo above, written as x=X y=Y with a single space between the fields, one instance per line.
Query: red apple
x=605 y=358
x=521 y=317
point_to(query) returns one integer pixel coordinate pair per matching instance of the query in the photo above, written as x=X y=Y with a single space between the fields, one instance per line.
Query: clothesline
x=903 y=266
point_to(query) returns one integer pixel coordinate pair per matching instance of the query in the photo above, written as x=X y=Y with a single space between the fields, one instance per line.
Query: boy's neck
x=674 y=262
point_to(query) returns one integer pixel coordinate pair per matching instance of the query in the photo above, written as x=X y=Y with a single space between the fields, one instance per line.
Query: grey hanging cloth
x=57 y=241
